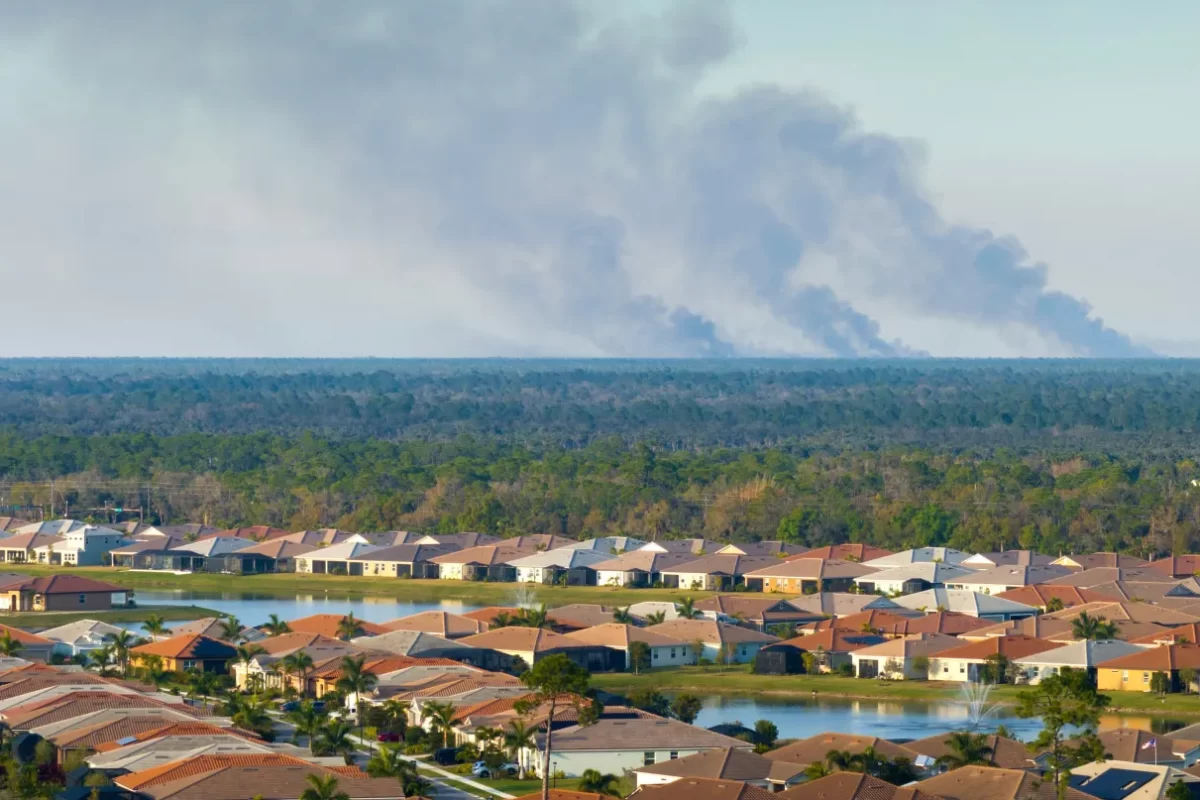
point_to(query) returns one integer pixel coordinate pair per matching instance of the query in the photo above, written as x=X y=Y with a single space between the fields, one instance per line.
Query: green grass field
x=399 y=588
x=739 y=680
x=36 y=619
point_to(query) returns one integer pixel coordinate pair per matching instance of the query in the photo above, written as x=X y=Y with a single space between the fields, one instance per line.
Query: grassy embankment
x=739 y=680
x=469 y=592
x=52 y=619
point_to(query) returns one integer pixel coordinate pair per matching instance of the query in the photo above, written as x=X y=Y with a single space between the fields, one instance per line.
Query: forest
x=1060 y=456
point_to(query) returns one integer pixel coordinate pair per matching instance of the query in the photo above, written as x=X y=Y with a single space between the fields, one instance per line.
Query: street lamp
x=554 y=775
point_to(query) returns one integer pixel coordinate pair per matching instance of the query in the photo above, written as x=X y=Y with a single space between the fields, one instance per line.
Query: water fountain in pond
x=524 y=596
x=975 y=696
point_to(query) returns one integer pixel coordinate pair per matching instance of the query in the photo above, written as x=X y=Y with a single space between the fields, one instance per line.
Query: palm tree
x=349 y=627
x=686 y=608
x=622 y=616
x=965 y=749
x=396 y=711
x=386 y=763
x=1088 y=627
x=244 y=654
x=816 y=769
x=299 y=664
x=502 y=620
x=102 y=657
x=8 y=645
x=593 y=781
x=202 y=684
x=334 y=738
x=518 y=739
x=441 y=719
x=656 y=618
x=355 y=680
x=122 y=643
x=152 y=671
x=274 y=626
x=1054 y=604
x=306 y=720
x=155 y=626
x=231 y=628
x=323 y=788
x=251 y=715
x=841 y=761
x=413 y=784
x=534 y=617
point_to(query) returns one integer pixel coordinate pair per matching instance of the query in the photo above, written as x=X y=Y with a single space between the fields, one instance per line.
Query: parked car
x=388 y=736
x=446 y=756
x=482 y=770
x=289 y=706
x=318 y=706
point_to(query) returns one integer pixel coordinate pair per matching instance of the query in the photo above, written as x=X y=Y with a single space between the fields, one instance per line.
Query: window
x=1125 y=675
x=82 y=599
x=648 y=758
x=654 y=654
x=674 y=754
x=672 y=652
x=1145 y=677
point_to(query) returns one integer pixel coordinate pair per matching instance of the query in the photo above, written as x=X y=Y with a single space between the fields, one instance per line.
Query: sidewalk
x=370 y=746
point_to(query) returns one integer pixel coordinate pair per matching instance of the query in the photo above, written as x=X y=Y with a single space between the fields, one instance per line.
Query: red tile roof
x=327 y=625
x=188 y=645
x=1008 y=646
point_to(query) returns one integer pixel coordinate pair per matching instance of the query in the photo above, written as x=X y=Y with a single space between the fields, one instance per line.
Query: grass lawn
x=739 y=680
x=52 y=619
x=471 y=592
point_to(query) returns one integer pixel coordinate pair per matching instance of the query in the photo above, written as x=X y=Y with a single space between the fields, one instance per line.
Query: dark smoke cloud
x=464 y=176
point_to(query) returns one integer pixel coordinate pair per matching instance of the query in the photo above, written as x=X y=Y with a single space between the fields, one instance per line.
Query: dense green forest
x=1059 y=456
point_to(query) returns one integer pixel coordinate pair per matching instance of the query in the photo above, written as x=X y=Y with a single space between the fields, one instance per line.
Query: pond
x=255 y=609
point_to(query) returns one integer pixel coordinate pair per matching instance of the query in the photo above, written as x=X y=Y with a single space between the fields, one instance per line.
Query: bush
x=846 y=670
x=414 y=736
x=415 y=749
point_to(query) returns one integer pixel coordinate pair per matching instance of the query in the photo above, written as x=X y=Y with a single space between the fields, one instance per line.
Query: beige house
x=665 y=651
x=897 y=659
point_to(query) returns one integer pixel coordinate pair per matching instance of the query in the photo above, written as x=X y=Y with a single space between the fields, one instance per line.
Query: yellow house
x=1135 y=672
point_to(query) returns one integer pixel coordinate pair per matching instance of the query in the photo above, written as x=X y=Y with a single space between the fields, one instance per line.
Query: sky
x=549 y=178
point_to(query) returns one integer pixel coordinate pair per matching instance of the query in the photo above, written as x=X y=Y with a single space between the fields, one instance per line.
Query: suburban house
x=150 y=553
x=51 y=527
x=1039 y=627
x=726 y=764
x=81 y=637
x=760 y=612
x=846 y=552
x=1145 y=747
x=1129 y=780
x=570 y=565
x=692 y=547
x=441 y=623
x=816 y=748
x=577 y=616
x=919 y=555
x=991 y=783
x=538 y=541
x=227 y=777
x=833 y=647
x=1042 y=595
x=838 y=604
x=615 y=745
x=34 y=647
x=1085 y=561
x=995 y=580
x=720 y=643
x=805 y=575
x=974 y=604
x=948 y=622
x=639 y=568
x=716 y=573
x=770 y=547
x=404 y=560
x=1084 y=655
x=910 y=578
x=331 y=625
x=487 y=562
x=206 y=554
x=613 y=545
x=533 y=644
x=897 y=659
x=1177 y=566
x=62 y=593
x=1006 y=558
x=1005 y=753
x=186 y=653
x=458 y=541
x=83 y=546
x=1177 y=634
x=665 y=651
x=1132 y=673
x=962 y=663
x=337 y=559
x=273 y=555
x=20 y=549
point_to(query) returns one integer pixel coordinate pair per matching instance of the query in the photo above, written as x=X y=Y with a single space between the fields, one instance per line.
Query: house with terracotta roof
x=487 y=562
x=897 y=659
x=854 y=786
x=1006 y=558
x=767 y=547
x=950 y=623
x=846 y=552
x=33 y=646
x=805 y=575
x=187 y=653
x=63 y=593
x=717 y=573
x=727 y=764
x=1177 y=566
x=1177 y=634
x=533 y=644
x=1130 y=780
x=1084 y=561
x=963 y=663
x=1004 y=753
x=701 y=789
x=873 y=621
x=1144 y=747
x=1039 y=627
x=442 y=623
x=228 y=777
x=665 y=651
x=720 y=643
x=816 y=748
x=330 y=625
x=760 y=612
x=539 y=541
x=993 y=783
x=1132 y=673
x=642 y=567
x=1043 y=595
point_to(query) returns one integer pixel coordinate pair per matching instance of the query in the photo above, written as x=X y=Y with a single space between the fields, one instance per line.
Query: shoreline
x=40 y=620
